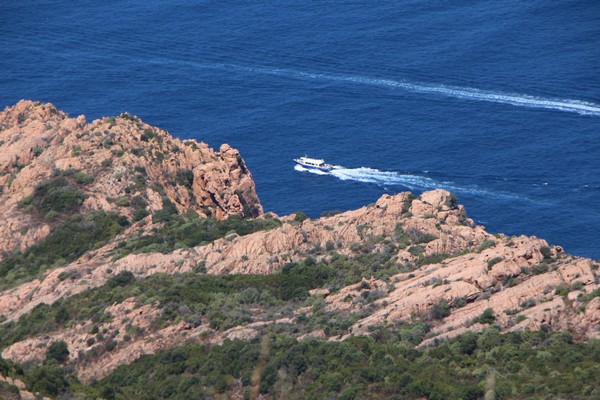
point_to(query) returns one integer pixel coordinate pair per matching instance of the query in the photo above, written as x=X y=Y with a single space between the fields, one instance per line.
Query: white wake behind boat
x=313 y=163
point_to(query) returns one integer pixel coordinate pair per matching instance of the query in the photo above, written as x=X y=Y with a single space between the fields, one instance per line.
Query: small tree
x=123 y=278
x=58 y=351
x=487 y=317
x=440 y=310
x=300 y=216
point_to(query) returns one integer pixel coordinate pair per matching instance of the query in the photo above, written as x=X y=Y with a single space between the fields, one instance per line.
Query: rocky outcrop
x=518 y=296
x=455 y=275
x=265 y=252
x=498 y=276
x=523 y=280
x=519 y=278
x=120 y=164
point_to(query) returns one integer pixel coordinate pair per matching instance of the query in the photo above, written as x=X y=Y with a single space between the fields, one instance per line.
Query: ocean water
x=498 y=102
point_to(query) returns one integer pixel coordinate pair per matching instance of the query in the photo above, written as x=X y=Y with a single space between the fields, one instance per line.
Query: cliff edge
x=118 y=164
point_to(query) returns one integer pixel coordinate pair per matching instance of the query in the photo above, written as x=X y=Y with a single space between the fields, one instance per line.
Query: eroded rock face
x=518 y=297
x=263 y=252
x=133 y=165
x=517 y=277
x=447 y=258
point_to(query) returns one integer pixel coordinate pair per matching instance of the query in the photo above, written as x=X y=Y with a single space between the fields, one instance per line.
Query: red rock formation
x=127 y=159
x=450 y=259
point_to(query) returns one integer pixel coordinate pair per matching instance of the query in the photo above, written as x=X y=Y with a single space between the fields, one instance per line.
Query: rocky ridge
x=120 y=164
x=437 y=257
x=489 y=271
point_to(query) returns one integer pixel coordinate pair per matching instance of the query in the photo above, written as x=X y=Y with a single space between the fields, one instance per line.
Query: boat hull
x=324 y=169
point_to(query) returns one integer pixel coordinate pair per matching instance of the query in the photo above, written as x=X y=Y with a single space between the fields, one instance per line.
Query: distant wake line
x=391 y=178
x=520 y=100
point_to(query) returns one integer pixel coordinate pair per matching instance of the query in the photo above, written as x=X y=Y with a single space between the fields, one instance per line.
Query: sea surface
x=496 y=101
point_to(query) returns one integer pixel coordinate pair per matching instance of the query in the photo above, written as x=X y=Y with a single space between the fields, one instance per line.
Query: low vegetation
x=69 y=240
x=471 y=366
x=380 y=367
x=221 y=301
x=60 y=194
x=386 y=364
x=180 y=231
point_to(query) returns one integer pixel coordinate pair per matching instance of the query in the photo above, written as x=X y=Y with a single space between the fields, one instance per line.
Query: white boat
x=313 y=163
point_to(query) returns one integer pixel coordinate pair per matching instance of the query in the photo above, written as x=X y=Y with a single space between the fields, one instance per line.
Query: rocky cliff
x=119 y=164
x=400 y=260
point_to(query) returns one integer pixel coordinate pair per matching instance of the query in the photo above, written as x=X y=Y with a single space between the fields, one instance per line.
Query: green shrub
x=432 y=258
x=191 y=143
x=140 y=214
x=440 y=310
x=452 y=201
x=138 y=151
x=593 y=294
x=460 y=302
x=562 y=290
x=577 y=285
x=401 y=237
x=122 y=202
x=425 y=238
x=520 y=318
x=185 y=177
x=51 y=216
x=407 y=204
x=487 y=317
x=540 y=269
x=147 y=135
x=546 y=252
x=37 y=151
x=58 y=195
x=58 y=351
x=188 y=231
x=416 y=250
x=168 y=213
x=486 y=244
x=300 y=216
x=330 y=213
x=528 y=303
x=48 y=380
x=82 y=178
x=139 y=202
x=123 y=278
x=200 y=268
x=366 y=367
x=384 y=365
x=67 y=242
x=419 y=237
x=493 y=262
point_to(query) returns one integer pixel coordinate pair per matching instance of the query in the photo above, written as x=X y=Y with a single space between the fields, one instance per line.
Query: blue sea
x=496 y=101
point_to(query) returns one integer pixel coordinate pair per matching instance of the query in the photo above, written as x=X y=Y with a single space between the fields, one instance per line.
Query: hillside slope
x=122 y=241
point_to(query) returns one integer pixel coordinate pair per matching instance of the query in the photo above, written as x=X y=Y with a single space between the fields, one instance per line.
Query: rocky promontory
x=120 y=241
x=117 y=164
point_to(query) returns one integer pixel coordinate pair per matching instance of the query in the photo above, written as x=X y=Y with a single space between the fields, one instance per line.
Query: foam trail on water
x=412 y=182
x=465 y=93
x=523 y=100
x=314 y=171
